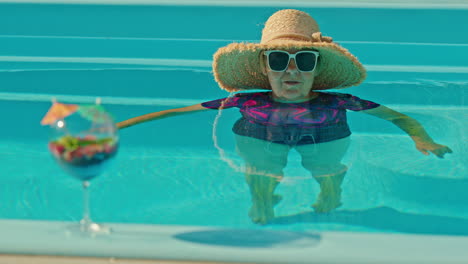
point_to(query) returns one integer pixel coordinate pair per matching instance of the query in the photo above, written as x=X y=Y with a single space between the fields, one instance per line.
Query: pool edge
x=26 y=239
x=48 y=259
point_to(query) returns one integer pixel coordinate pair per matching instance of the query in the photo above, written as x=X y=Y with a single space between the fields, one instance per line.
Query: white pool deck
x=25 y=241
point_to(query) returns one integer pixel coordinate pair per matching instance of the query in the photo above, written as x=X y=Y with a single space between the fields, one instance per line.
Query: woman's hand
x=425 y=147
x=413 y=128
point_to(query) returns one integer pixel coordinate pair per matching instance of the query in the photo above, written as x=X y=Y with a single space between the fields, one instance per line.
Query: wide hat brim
x=237 y=66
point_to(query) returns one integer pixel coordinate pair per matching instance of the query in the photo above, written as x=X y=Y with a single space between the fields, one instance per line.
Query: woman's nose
x=292 y=65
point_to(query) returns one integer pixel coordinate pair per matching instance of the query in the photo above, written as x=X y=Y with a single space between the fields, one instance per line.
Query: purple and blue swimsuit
x=318 y=120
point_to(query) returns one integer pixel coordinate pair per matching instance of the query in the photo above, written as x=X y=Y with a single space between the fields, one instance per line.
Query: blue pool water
x=141 y=59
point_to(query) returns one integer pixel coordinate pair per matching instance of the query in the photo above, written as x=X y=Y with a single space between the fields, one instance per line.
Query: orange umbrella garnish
x=58 y=111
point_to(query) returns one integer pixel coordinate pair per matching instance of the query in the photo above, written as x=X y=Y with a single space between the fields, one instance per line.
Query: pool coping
x=400 y=4
x=42 y=259
x=24 y=240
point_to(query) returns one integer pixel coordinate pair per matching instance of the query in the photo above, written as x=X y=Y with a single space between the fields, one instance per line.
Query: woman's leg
x=264 y=170
x=323 y=160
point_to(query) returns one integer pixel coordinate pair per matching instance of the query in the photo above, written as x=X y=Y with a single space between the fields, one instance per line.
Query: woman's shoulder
x=348 y=101
x=329 y=97
x=339 y=96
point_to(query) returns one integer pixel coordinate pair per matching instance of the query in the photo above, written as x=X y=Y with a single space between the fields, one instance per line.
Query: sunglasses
x=278 y=60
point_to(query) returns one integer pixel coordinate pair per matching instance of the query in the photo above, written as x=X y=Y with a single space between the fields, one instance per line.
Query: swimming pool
x=170 y=195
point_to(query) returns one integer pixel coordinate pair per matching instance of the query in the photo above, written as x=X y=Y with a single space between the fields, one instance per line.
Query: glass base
x=88 y=229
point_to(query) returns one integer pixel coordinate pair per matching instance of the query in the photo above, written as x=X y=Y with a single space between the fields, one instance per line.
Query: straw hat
x=237 y=66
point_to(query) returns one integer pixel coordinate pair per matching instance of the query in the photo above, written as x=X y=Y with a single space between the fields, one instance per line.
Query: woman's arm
x=424 y=143
x=160 y=114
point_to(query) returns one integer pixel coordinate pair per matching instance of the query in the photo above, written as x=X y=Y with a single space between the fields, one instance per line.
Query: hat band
x=296 y=37
x=315 y=37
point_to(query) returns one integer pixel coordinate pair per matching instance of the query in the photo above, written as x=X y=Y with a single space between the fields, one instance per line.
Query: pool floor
x=378 y=195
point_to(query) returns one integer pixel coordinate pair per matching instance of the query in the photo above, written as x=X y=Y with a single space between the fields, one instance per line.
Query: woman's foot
x=326 y=202
x=262 y=210
x=329 y=197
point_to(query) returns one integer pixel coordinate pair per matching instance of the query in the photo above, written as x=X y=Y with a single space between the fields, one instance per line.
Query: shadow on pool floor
x=384 y=218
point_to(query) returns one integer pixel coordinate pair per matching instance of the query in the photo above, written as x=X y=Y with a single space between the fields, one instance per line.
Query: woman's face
x=290 y=85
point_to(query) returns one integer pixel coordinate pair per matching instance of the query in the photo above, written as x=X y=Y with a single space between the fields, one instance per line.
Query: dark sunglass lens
x=305 y=61
x=278 y=61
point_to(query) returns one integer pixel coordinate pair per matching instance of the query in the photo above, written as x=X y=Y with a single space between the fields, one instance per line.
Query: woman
x=293 y=62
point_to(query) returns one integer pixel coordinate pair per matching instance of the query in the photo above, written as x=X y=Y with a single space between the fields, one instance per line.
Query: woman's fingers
x=434 y=148
x=440 y=152
x=449 y=150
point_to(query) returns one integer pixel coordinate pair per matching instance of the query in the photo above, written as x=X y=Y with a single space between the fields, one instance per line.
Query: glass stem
x=86 y=221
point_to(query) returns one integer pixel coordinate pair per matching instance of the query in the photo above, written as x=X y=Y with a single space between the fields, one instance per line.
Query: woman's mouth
x=291 y=82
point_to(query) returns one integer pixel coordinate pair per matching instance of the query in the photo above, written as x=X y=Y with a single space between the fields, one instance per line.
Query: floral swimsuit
x=318 y=120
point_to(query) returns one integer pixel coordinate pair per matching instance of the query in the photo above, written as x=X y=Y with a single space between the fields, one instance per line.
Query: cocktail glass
x=83 y=142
